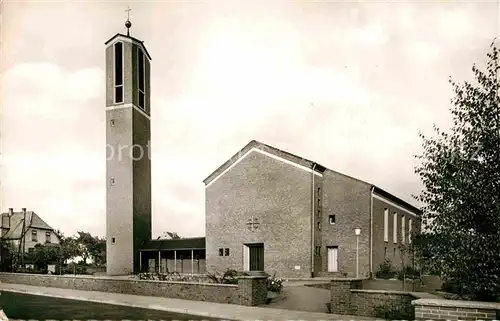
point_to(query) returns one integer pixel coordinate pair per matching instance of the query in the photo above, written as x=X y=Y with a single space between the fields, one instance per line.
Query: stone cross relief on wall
x=253 y=223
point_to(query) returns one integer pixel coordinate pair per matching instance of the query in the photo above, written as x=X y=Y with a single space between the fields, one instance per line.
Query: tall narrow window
x=403 y=232
x=34 y=236
x=395 y=228
x=386 y=225
x=141 y=74
x=118 y=72
x=409 y=230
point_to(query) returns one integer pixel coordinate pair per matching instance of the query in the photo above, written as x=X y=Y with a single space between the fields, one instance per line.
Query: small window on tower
x=141 y=63
x=112 y=122
x=113 y=240
x=226 y=252
x=221 y=252
x=331 y=219
x=319 y=225
x=112 y=181
x=118 y=74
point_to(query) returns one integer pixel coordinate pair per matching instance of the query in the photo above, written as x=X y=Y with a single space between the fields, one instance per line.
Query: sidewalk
x=198 y=308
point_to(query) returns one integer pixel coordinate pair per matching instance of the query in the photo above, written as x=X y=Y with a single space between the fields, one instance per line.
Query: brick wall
x=279 y=196
x=341 y=295
x=348 y=297
x=365 y=302
x=349 y=200
x=250 y=291
x=438 y=310
x=253 y=290
x=393 y=285
x=389 y=250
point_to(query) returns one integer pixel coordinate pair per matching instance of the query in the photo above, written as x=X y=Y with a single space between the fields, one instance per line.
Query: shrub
x=168 y=276
x=274 y=284
x=73 y=268
x=386 y=270
x=389 y=312
x=229 y=277
x=409 y=272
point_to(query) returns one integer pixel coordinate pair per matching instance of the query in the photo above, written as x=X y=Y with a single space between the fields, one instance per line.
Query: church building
x=266 y=209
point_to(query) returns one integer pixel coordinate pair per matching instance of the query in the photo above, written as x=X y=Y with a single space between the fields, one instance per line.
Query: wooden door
x=256 y=257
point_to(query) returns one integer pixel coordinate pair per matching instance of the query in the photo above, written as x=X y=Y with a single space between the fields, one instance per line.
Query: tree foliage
x=460 y=172
x=92 y=247
x=43 y=255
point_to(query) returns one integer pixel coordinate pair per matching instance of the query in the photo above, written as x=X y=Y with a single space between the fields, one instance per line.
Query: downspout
x=371 y=231
x=312 y=221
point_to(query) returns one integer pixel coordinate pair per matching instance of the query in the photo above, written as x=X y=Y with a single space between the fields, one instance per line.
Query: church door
x=256 y=257
x=333 y=265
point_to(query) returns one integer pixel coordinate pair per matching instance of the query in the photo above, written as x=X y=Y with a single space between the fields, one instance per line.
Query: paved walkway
x=198 y=308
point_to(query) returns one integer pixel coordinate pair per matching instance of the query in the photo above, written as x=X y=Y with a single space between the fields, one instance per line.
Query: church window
x=112 y=122
x=113 y=240
x=112 y=181
x=141 y=63
x=331 y=219
x=319 y=225
x=221 y=252
x=226 y=252
x=118 y=85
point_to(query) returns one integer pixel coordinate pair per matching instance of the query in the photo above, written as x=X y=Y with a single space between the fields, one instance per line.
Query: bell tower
x=128 y=161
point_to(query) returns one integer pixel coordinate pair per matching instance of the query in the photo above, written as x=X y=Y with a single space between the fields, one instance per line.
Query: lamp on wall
x=357 y=231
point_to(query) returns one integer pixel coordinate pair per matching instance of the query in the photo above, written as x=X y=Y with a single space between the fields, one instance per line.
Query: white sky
x=348 y=85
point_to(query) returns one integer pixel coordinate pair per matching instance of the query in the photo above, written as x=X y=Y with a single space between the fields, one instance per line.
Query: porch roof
x=193 y=243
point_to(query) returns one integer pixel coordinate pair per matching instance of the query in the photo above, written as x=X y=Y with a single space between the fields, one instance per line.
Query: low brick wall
x=441 y=310
x=249 y=291
x=392 y=285
x=325 y=286
x=365 y=302
x=348 y=297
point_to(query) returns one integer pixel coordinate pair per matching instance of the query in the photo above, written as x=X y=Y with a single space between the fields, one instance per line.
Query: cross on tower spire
x=128 y=24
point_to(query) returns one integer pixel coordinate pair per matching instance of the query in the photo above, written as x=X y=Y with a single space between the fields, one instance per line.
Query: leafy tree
x=69 y=247
x=43 y=255
x=92 y=247
x=171 y=235
x=99 y=251
x=460 y=172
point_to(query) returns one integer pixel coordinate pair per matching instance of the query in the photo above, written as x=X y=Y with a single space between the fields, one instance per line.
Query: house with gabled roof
x=25 y=229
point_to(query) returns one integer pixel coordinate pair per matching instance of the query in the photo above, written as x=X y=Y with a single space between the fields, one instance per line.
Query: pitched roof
x=301 y=162
x=193 y=243
x=266 y=148
x=137 y=41
x=16 y=224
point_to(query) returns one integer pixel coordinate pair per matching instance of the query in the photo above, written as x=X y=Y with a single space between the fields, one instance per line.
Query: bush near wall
x=386 y=270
